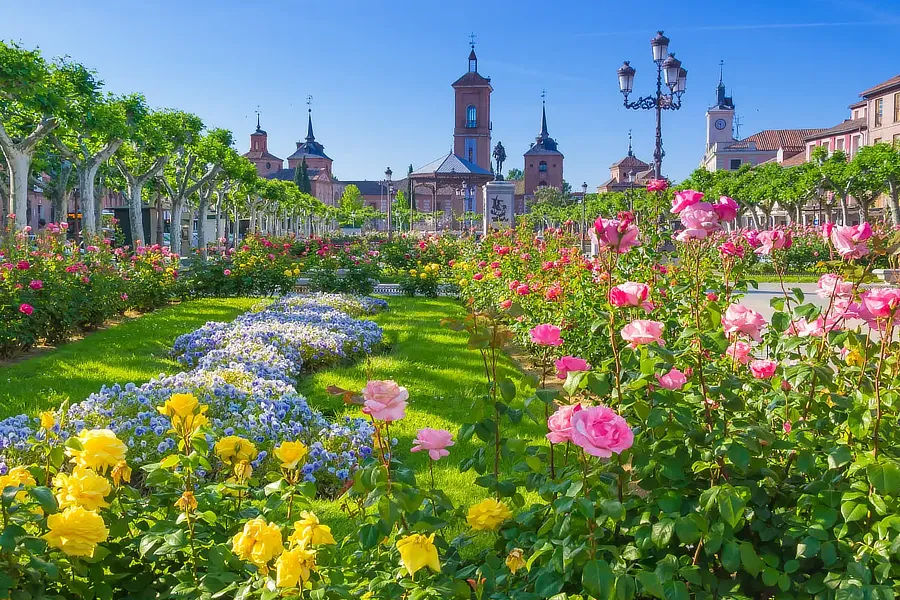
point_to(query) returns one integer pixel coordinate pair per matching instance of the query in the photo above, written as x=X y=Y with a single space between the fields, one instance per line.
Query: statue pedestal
x=499 y=202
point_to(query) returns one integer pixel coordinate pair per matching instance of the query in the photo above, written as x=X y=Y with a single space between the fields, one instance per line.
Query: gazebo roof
x=450 y=165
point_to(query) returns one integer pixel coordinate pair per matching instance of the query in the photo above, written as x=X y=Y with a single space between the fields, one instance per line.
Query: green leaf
x=507 y=389
x=731 y=557
x=547 y=584
x=44 y=495
x=739 y=456
x=839 y=457
x=661 y=532
x=853 y=511
x=885 y=478
x=808 y=547
x=687 y=530
x=169 y=462
x=731 y=507
x=749 y=559
x=780 y=321
x=676 y=590
x=651 y=584
x=598 y=579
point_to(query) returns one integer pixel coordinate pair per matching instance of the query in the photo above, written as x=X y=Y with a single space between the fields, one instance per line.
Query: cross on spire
x=630 y=152
x=309 y=129
x=543 y=96
x=257 y=117
x=472 y=37
x=721 y=70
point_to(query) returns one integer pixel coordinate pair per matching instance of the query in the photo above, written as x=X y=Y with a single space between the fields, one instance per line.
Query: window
x=879 y=111
x=896 y=140
x=876 y=141
x=809 y=151
x=268 y=166
x=471 y=117
x=854 y=145
x=542 y=167
x=839 y=144
x=256 y=145
x=896 y=107
x=471 y=154
x=734 y=164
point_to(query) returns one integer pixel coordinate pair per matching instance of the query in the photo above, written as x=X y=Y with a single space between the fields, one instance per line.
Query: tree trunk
x=202 y=209
x=845 y=210
x=251 y=227
x=160 y=225
x=894 y=202
x=220 y=216
x=175 y=226
x=18 y=164
x=755 y=215
x=87 y=172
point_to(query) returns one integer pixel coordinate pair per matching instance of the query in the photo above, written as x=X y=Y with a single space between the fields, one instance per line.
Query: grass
x=787 y=278
x=443 y=378
x=134 y=350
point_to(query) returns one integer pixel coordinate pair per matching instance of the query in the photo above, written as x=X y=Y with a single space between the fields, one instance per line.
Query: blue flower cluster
x=295 y=332
x=244 y=371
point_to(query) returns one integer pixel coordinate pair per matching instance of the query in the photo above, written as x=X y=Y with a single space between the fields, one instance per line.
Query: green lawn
x=442 y=376
x=135 y=350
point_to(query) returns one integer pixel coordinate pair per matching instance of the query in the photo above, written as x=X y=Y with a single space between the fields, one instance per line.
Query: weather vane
x=257 y=116
x=309 y=103
x=472 y=37
x=543 y=96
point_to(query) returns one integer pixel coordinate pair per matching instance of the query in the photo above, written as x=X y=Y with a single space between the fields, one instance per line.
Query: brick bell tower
x=472 y=115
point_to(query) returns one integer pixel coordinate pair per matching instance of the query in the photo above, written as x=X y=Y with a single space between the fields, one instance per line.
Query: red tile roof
x=793 y=161
x=259 y=154
x=882 y=87
x=773 y=139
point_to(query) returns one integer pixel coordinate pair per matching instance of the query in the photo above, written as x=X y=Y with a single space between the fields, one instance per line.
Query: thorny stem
x=584 y=479
x=545 y=365
x=885 y=342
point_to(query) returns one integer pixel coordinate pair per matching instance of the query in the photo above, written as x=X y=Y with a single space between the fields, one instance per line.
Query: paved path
x=759 y=299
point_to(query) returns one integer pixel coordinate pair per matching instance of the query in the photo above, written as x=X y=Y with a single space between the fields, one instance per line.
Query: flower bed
x=243 y=371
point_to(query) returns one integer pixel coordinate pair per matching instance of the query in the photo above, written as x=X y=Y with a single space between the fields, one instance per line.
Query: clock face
x=720 y=124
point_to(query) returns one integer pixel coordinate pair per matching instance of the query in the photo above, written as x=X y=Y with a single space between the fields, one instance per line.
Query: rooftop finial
x=544 y=133
x=721 y=70
x=630 y=152
x=257 y=118
x=472 y=37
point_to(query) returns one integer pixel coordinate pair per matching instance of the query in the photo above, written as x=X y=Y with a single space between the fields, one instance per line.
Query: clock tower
x=720 y=117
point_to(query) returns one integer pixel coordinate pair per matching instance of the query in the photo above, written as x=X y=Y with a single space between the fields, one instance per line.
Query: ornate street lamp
x=390 y=187
x=676 y=80
x=583 y=214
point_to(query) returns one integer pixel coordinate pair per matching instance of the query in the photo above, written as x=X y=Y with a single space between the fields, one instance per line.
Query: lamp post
x=583 y=213
x=676 y=81
x=390 y=188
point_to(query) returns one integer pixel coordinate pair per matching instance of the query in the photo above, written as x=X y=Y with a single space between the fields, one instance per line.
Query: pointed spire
x=258 y=128
x=544 y=133
x=309 y=129
x=473 y=60
x=721 y=70
x=630 y=152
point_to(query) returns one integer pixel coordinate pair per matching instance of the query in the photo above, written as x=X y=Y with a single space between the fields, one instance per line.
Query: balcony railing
x=471 y=124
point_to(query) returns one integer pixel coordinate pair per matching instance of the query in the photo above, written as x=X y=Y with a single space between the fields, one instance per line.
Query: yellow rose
x=243 y=470
x=82 y=488
x=100 y=450
x=418 y=551
x=187 y=503
x=294 y=566
x=259 y=543
x=235 y=449
x=412 y=272
x=424 y=276
x=290 y=454
x=121 y=472
x=855 y=358
x=487 y=515
x=180 y=405
x=190 y=424
x=48 y=420
x=14 y=478
x=76 y=531
x=308 y=530
x=514 y=561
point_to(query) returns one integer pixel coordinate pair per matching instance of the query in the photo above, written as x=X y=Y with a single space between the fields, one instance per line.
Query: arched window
x=542 y=167
x=471 y=117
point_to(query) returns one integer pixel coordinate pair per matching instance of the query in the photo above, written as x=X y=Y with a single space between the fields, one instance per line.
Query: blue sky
x=380 y=72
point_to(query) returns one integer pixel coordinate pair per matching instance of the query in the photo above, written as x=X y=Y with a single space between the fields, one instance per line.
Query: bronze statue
x=499 y=159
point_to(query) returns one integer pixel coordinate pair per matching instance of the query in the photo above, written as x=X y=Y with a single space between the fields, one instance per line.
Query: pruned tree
x=882 y=163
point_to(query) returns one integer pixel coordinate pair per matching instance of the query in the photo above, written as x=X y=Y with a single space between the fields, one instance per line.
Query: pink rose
x=732 y=249
x=385 y=400
x=712 y=296
x=560 y=424
x=523 y=289
x=631 y=294
x=436 y=441
x=23 y=265
x=505 y=304
x=752 y=237
x=786 y=426
x=26 y=309
x=640 y=332
x=36 y=284
x=673 y=380
x=226 y=272
x=700 y=215
x=804 y=328
x=726 y=208
x=880 y=302
x=834 y=285
x=775 y=239
x=657 y=185
x=546 y=335
x=849 y=241
x=684 y=199
x=567 y=364
x=599 y=431
x=763 y=369
x=553 y=292
x=740 y=319
x=616 y=234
